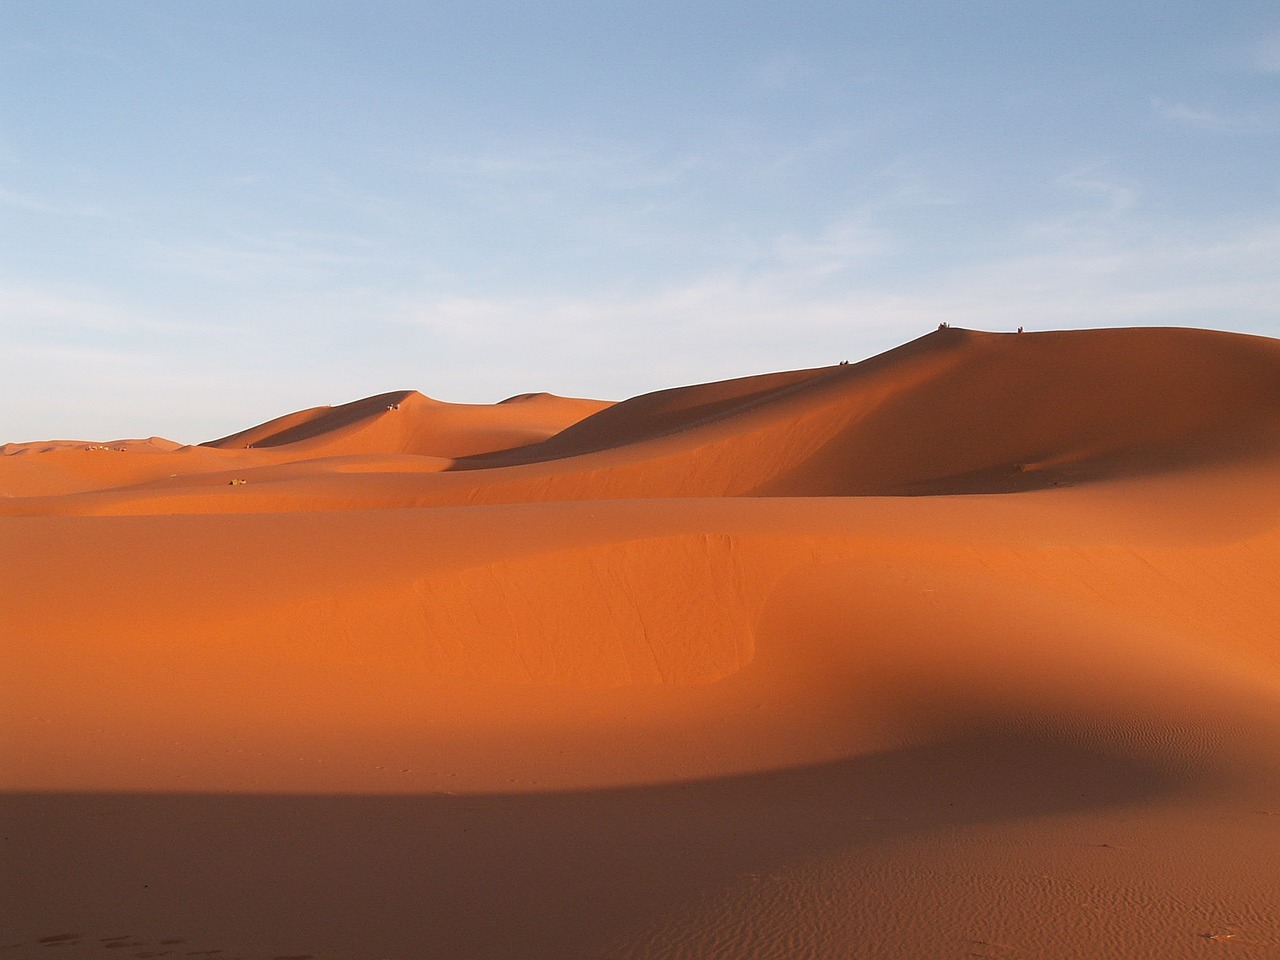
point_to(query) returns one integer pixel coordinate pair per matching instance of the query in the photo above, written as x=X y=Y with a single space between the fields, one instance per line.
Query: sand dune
x=955 y=412
x=968 y=649
x=408 y=422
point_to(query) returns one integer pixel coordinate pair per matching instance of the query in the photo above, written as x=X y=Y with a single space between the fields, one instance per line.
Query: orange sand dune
x=955 y=412
x=969 y=649
x=408 y=422
x=389 y=432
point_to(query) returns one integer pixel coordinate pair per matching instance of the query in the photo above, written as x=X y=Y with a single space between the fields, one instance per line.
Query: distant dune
x=971 y=649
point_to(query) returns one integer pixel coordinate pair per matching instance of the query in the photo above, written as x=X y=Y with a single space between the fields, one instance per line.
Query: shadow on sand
x=563 y=875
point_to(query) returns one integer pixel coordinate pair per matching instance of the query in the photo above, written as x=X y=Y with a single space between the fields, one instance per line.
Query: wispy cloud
x=836 y=249
x=1226 y=281
x=1093 y=181
x=29 y=306
x=30 y=203
x=25 y=308
x=242 y=259
x=784 y=310
x=1201 y=118
x=738 y=322
x=610 y=164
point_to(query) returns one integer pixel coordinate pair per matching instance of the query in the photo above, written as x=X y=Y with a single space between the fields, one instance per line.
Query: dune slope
x=968 y=649
x=955 y=412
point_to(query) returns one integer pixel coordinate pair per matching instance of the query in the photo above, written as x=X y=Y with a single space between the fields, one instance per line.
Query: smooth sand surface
x=971 y=649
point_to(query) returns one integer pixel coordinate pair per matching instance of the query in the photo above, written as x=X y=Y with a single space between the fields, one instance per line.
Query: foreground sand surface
x=971 y=649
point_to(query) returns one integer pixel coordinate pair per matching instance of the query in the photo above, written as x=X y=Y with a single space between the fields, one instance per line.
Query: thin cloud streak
x=27 y=308
x=29 y=203
x=249 y=259
x=721 y=324
x=1209 y=120
x=1093 y=181
x=787 y=311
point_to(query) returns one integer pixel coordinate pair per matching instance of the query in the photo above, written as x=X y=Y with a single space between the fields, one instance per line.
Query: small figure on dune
x=943 y=326
x=1019 y=329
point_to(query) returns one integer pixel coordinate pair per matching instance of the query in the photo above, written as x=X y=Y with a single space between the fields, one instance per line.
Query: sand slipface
x=968 y=649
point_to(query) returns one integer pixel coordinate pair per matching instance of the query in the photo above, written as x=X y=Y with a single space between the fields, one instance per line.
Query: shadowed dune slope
x=1019 y=412
x=955 y=412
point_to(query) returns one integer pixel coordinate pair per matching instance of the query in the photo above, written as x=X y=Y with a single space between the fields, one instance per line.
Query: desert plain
x=969 y=649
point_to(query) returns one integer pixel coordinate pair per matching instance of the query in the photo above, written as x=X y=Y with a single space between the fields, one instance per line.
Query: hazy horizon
x=216 y=215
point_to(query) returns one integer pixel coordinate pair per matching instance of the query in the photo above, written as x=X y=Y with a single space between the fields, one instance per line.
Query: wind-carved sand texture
x=971 y=649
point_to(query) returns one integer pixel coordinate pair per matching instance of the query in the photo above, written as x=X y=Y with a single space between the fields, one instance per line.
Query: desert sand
x=971 y=649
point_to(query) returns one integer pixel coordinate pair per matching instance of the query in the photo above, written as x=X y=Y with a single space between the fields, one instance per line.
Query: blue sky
x=215 y=213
